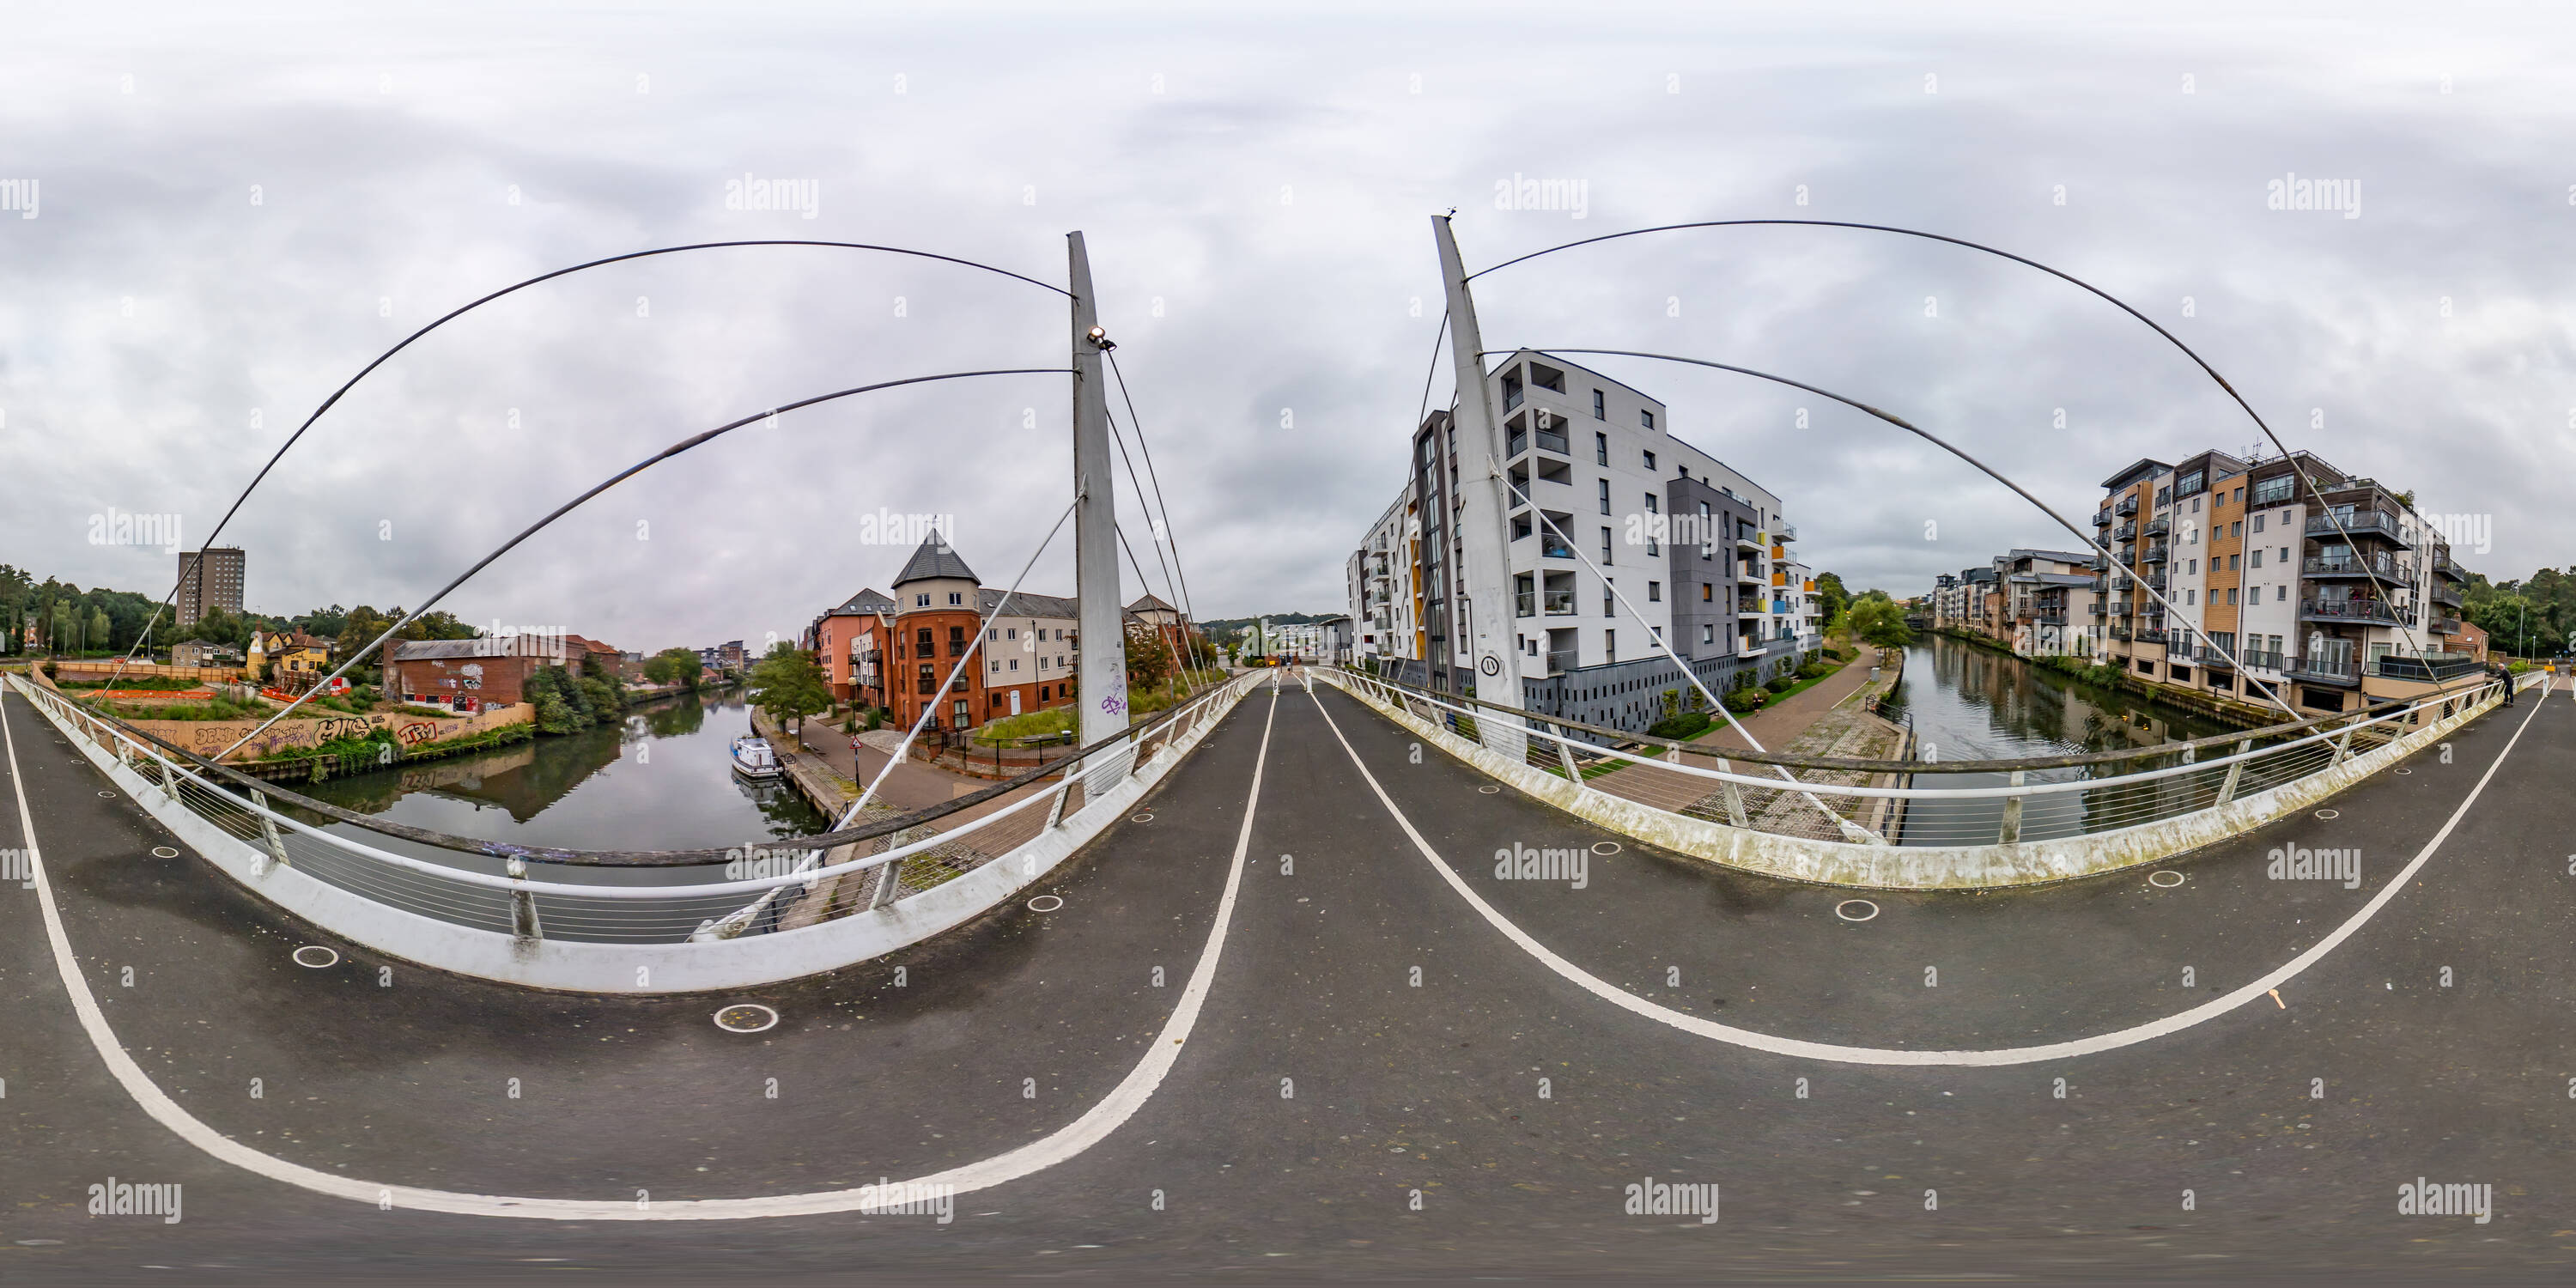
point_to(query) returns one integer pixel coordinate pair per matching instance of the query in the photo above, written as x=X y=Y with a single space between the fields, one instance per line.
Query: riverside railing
x=1970 y=803
x=624 y=897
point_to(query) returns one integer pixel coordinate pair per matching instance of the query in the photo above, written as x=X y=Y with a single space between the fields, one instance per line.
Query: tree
x=788 y=685
x=674 y=666
x=1149 y=656
x=360 y=629
x=438 y=625
x=1880 y=620
x=1831 y=597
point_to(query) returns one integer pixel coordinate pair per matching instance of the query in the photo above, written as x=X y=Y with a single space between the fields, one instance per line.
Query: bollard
x=2012 y=815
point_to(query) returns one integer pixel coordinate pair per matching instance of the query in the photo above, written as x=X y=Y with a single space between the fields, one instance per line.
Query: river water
x=662 y=779
x=1971 y=703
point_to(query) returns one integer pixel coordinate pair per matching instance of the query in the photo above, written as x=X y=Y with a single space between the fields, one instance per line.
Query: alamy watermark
x=2472 y=532
x=802 y=196
x=1522 y=863
x=2290 y=192
x=891 y=528
x=2299 y=863
x=118 y=1198
x=118 y=528
x=754 y=863
x=19 y=195
x=2421 y=1197
x=1520 y=192
x=909 y=1198
x=1674 y=1198
x=18 y=866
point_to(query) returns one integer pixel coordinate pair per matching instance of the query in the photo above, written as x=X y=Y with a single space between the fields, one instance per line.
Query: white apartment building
x=1379 y=579
x=1701 y=553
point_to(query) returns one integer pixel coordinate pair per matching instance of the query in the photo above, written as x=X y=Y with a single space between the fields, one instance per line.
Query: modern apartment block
x=2334 y=596
x=1699 y=550
x=210 y=578
x=1385 y=596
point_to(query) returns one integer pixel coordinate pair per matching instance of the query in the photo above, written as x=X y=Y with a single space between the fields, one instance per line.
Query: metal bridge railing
x=1968 y=803
x=678 y=896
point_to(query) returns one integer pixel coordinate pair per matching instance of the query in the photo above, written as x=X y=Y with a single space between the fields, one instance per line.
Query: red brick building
x=468 y=675
x=1027 y=658
x=851 y=643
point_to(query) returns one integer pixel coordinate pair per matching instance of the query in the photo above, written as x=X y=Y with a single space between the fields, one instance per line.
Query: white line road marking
x=1887 y=1056
x=1090 y=1129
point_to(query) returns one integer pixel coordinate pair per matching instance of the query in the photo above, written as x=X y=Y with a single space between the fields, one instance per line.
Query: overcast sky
x=236 y=215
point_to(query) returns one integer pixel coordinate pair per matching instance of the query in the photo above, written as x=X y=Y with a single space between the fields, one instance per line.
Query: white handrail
x=638 y=893
x=1336 y=675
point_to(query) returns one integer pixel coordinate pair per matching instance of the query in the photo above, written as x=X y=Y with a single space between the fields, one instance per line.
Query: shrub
x=1781 y=684
x=1742 y=700
x=1688 y=724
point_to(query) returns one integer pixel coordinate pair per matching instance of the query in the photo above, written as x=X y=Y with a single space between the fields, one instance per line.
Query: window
x=2258 y=559
x=1605 y=545
x=2233 y=561
x=1707 y=634
x=993 y=633
x=1609 y=603
x=1605 y=495
x=1600 y=449
x=1705 y=595
x=1654 y=592
x=2191 y=567
x=2280 y=592
x=956 y=597
x=2231 y=595
x=1600 y=406
x=1651 y=504
x=2195 y=505
x=994 y=666
x=921 y=601
x=2191 y=597
x=1015 y=664
x=1650 y=462
x=1609 y=646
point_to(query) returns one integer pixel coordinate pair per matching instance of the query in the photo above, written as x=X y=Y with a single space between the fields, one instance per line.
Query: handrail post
x=1565 y=757
x=1734 y=798
x=523 y=905
x=2343 y=745
x=268 y=831
x=2011 y=834
x=2235 y=771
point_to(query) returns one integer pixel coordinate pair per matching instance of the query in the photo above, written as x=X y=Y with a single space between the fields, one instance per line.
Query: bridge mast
x=1103 y=678
x=1487 y=616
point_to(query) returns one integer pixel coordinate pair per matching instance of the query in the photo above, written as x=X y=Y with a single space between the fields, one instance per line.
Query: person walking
x=2504 y=674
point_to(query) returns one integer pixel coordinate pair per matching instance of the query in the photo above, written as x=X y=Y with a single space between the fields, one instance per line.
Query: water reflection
x=1971 y=703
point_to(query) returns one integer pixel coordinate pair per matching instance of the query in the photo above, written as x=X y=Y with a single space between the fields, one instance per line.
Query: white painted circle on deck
x=747 y=1017
x=1142 y=818
x=2329 y=813
x=1488 y=790
x=2157 y=879
x=1605 y=847
x=1856 y=910
x=1052 y=903
x=2403 y=770
x=107 y=794
x=164 y=852
x=316 y=957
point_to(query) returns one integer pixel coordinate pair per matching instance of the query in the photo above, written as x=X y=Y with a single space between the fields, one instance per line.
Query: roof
x=2124 y=478
x=1024 y=604
x=2060 y=556
x=934 y=559
x=868 y=602
x=417 y=650
x=1150 y=603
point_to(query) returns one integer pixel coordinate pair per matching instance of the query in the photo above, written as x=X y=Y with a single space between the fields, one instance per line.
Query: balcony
x=2119 y=632
x=2125 y=532
x=2096 y=609
x=1748 y=646
x=2371 y=611
x=1551 y=547
x=2443 y=567
x=1785 y=532
x=2128 y=505
x=1560 y=663
x=2207 y=654
x=1748 y=572
x=1779 y=579
x=2428 y=670
x=2155 y=581
x=2344 y=565
x=2158 y=552
x=2446 y=626
x=2360 y=523
x=2446 y=593
x=2334 y=668
x=2261 y=659
x=2159 y=525
x=1560 y=603
x=2102 y=517
x=2151 y=635
x=2101 y=585
x=2051 y=617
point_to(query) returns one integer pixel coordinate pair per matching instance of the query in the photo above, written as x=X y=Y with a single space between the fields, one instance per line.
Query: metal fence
x=621 y=897
x=1919 y=803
